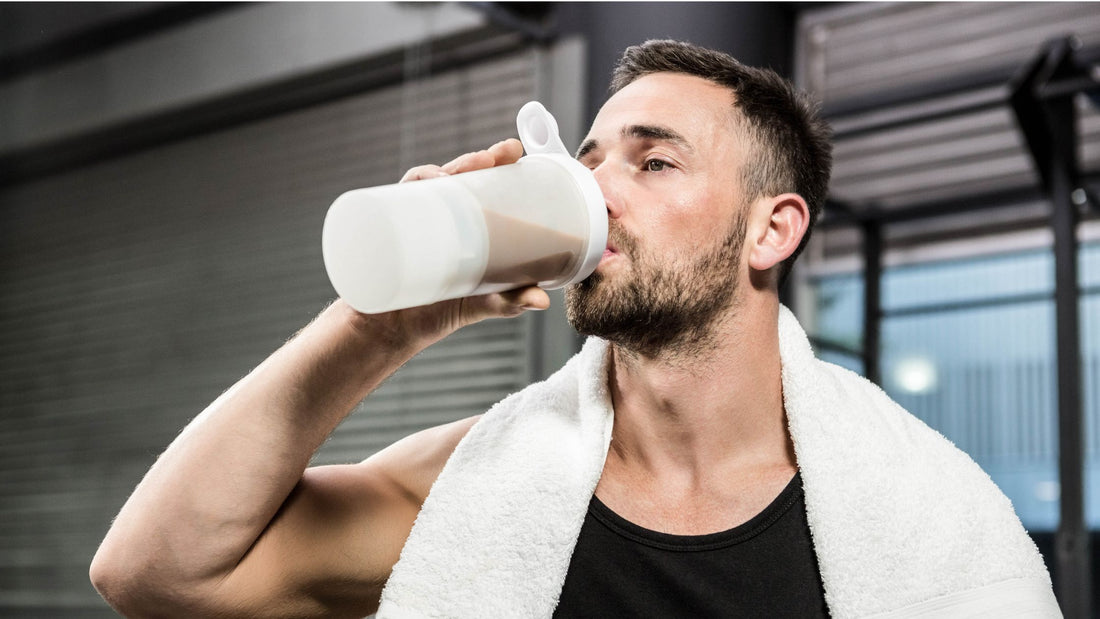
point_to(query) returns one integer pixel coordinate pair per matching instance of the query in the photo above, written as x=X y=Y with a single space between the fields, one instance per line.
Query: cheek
x=698 y=218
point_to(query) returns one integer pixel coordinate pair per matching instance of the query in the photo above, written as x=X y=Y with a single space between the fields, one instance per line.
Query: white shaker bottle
x=541 y=220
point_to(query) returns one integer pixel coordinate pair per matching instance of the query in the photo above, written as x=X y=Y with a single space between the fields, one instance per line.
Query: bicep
x=330 y=548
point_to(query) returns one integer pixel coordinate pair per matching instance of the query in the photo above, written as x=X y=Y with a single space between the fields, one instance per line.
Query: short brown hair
x=794 y=149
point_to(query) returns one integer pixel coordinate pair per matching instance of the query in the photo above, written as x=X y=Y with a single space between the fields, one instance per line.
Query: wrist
x=398 y=332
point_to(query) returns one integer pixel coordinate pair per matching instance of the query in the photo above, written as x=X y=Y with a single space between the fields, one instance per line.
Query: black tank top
x=765 y=567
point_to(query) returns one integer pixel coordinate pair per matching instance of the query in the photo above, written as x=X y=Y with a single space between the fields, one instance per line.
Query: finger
x=529 y=298
x=469 y=162
x=515 y=302
x=423 y=172
x=507 y=151
x=502 y=305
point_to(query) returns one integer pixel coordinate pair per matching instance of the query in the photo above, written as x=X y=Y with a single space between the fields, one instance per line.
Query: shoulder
x=413 y=463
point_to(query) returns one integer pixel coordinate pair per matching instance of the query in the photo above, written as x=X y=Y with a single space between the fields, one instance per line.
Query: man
x=688 y=500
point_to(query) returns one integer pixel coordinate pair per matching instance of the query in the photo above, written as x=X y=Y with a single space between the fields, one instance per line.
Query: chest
x=763 y=567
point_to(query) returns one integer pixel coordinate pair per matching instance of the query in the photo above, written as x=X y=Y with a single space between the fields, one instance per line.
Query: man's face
x=667 y=154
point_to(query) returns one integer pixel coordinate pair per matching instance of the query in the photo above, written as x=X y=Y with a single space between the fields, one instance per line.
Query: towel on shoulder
x=903 y=523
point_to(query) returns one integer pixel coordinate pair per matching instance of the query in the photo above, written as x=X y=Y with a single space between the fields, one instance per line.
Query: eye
x=656 y=165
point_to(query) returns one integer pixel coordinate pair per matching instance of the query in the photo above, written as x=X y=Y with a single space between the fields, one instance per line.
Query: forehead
x=692 y=106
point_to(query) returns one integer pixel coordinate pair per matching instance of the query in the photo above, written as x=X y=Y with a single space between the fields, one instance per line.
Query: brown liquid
x=524 y=253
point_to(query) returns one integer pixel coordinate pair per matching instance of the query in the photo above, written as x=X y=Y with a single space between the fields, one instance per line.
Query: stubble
x=660 y=308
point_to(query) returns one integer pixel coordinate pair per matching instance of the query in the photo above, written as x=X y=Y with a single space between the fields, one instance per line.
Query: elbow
x=108 y=584
x=124 y=585
x=113 y=583
x=138 y=586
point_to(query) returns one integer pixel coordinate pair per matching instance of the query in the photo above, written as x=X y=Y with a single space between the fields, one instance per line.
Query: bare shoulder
x=415 y=461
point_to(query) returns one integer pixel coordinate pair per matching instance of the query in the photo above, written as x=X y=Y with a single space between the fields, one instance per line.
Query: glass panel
x=939 y=283
x=968 y=347
x=1090 y=348
x=839 y=311
x=984 y=378
x=1089 y=265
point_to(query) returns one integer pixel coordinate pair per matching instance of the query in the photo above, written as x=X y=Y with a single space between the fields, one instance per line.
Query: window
x=967 y=346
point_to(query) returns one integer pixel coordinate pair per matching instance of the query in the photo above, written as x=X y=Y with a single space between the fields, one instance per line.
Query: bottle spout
x=539 y=131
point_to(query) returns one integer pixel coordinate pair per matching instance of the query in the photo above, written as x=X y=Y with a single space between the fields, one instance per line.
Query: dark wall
x=759 y=34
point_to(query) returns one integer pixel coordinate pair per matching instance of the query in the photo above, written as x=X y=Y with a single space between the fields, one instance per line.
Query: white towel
x=903 y=523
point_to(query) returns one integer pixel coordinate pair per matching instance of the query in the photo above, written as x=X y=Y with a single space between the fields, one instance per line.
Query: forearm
x=219 y=484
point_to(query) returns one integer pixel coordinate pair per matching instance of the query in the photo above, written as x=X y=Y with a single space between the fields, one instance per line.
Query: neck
x=685 y=420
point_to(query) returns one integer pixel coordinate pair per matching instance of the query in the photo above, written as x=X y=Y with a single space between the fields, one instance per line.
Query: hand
x=501 y=153
x=430 y=323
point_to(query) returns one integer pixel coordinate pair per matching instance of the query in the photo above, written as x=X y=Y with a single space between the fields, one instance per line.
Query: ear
x=782 y=222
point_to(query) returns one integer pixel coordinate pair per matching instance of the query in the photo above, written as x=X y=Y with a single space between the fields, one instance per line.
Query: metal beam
x=914 y=112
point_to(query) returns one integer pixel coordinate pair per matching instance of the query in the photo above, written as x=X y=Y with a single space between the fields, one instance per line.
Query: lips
x=617 y=241
x=609 y=253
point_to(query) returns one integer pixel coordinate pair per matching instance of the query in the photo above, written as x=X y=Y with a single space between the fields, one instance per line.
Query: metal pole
x=1071 y=539
x=1048 y=124
x=872 y=299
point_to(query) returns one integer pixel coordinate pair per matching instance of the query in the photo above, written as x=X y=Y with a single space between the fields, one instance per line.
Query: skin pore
x=699 y=442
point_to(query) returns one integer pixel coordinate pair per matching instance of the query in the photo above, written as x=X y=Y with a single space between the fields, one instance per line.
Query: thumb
x=504 y=304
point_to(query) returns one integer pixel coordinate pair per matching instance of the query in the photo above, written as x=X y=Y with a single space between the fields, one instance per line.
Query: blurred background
x=165 y=170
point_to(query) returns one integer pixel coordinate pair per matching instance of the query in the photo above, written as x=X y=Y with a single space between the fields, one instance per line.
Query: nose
x=609 y=188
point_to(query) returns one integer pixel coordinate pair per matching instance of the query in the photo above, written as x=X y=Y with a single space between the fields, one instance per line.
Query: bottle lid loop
x=539 y=131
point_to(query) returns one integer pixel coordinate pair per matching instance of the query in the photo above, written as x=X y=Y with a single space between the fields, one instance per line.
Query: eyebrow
x=587 y=146
x=640 y=132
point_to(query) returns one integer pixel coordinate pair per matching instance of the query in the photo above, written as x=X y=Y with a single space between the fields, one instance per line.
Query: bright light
x=915 y=375
x=1048 y=491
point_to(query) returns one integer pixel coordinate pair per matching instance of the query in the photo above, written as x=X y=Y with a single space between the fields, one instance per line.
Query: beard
x=660 y=308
